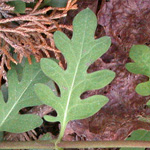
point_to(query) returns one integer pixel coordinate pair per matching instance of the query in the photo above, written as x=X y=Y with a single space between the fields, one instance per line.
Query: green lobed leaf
x=138 y=135
x=140 y=54
x=21 y=95
x=80 y=52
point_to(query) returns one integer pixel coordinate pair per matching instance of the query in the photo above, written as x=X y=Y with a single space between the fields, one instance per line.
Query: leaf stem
x=61 y=134
x=79 y=144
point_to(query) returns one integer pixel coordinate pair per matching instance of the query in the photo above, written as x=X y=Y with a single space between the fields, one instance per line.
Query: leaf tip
x=50 y=118
x=57 y=33
x=112 y=74
x=143 y=88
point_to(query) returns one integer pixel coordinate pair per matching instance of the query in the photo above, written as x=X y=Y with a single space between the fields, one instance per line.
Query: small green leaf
x=19 y=67
x=19 y=5
x=143 y=88
x=21 y=95
x=44 y=137
x=141 y=56
x=138 y=135
x=80 y=52
x=54 y=3
x=145 y=119
x=46 y=3
x=58 y=3
x=148 y=103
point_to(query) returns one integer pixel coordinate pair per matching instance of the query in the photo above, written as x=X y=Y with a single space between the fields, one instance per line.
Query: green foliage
x=138 y=135
x=146 y=118
x=54 y=3
x=80 y=52
x=19 y=5
x=141 y=56
x=58 y=3
x=44 y=137
x=21 y=95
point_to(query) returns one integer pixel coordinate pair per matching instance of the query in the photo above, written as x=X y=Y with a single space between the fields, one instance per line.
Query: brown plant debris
x=126 y=21
x=30 y=33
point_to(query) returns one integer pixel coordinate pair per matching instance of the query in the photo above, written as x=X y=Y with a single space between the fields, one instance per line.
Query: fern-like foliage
x=80 y=52
x=140 y=54
x=21 y=95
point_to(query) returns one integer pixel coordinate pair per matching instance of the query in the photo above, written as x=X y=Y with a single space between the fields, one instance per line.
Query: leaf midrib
x=3 y=121
x=72 y=85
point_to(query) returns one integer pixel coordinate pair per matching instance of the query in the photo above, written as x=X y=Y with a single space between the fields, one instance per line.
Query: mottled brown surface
x=126 y=21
